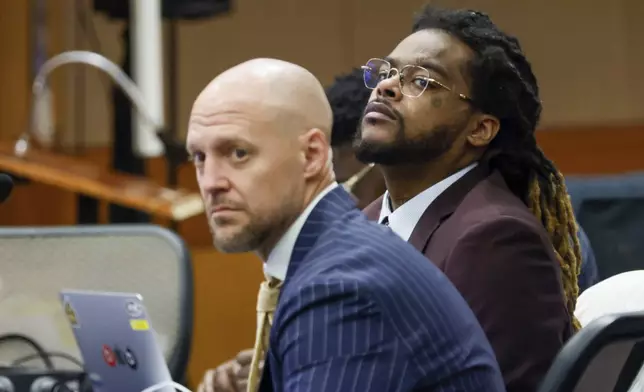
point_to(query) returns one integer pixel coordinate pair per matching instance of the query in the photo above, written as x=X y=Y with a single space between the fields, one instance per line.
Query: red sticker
x=108 y=356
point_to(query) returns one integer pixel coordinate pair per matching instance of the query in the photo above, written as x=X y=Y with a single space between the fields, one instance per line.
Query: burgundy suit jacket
x=499 y=256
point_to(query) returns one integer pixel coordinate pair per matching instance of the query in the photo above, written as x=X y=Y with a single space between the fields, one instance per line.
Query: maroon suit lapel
x=439 y=210
x=372 y=211
x=444 y=206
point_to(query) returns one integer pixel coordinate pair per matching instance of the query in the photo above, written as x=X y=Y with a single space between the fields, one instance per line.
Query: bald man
x=359 y=309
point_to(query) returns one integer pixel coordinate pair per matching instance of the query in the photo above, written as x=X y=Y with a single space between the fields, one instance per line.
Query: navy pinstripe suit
x=361 y=310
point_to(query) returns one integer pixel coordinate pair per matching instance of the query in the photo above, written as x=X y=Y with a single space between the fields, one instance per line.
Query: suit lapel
x=372 y=211
x=328 y=210
x=444 y=206
x=332 y=206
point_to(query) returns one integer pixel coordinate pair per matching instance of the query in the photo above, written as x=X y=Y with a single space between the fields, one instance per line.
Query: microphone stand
x=95 y=60
x=174 y=151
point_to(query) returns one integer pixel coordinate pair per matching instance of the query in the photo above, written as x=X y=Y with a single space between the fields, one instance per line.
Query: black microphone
x=6 y=186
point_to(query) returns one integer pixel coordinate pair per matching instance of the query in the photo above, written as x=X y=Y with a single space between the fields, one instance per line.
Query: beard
x=425 y=148
x=256 y=234
x=245 y=239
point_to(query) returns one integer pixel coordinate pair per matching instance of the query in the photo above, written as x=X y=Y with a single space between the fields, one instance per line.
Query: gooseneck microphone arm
x=95 y=60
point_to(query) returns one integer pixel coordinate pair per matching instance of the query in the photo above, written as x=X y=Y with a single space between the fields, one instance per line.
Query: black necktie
x=385 y=221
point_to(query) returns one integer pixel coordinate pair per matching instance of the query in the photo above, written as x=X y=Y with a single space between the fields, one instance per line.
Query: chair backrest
x=606 y=355
x=36 y=263
x=623 y=293
x=611 y=211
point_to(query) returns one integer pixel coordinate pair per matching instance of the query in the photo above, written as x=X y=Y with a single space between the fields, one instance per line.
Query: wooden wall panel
x=225 y=297
x=575 y=150
x=595 y=149
x=578 y=83
x=14 y=67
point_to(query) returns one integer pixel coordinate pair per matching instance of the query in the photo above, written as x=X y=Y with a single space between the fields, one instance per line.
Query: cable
x=40 y=351
x=49 y=354
x=60 y=386
x=164 y=384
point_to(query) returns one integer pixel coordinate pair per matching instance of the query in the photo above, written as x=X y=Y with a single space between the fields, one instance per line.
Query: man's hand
x=231 y=376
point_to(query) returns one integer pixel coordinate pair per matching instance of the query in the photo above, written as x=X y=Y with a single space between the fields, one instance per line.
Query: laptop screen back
x=115 y=338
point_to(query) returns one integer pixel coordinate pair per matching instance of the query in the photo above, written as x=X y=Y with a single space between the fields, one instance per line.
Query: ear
x=487 y=127
x=317 y=154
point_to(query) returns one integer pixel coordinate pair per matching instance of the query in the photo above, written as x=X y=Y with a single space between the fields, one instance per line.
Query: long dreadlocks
x=503 y=85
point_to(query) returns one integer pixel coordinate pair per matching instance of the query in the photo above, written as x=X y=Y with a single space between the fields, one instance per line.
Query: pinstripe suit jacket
x=361 y=310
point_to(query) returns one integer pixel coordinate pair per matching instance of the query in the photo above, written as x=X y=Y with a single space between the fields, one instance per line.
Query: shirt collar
x=278 y=260
x=404 y=219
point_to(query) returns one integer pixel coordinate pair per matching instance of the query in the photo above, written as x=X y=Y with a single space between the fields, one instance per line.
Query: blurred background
x=587 y=56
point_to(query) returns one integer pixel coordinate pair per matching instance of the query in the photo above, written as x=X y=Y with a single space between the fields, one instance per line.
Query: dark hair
x=503 y=85
x=348 y=97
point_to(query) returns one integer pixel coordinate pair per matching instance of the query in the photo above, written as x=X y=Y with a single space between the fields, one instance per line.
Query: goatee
x=423 y=149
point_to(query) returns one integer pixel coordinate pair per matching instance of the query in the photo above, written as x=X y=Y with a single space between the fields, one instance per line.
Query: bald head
x=273 y=90
x=259 y=135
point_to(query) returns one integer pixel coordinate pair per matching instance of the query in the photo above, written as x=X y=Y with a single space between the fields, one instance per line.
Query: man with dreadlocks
x=451 y=122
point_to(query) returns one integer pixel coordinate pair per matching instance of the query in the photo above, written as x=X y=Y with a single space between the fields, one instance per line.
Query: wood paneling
x=577 y=84
x=225 y=297
x=578 y=150
x=594 y=149
x=14 y=67
x=82 y=177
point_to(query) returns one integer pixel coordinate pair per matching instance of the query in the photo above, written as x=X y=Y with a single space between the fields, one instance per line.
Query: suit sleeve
x=332 y=338
x=508 y=274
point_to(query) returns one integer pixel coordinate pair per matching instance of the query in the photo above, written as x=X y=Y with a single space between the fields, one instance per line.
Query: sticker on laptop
x=109 y=356
x=139 y=324
x=71 y=314
x=134 y=308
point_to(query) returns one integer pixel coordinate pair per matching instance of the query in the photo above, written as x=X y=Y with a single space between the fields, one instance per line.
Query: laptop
x=116 y=340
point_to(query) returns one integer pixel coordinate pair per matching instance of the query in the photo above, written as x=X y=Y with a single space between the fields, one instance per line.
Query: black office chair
x=611 y=211
x=605 y=356
x=37 y=262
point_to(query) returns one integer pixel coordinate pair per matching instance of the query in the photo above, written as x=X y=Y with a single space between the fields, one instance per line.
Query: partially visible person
x=352 y=306
x=588 y=275
x=451 y=123
x=348 y=98
x=230 y=376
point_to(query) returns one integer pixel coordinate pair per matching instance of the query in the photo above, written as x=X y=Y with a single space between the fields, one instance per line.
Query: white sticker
x=134 y=308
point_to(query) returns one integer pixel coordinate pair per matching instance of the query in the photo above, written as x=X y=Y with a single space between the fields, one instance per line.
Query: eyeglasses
x=413 y=79
x=351 y=183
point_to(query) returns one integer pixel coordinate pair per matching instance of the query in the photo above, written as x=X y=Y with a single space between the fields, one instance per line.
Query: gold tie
x=269 y=292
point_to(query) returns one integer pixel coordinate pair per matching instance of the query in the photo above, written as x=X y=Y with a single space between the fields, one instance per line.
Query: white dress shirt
x=277 y=262
x=405 y=218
